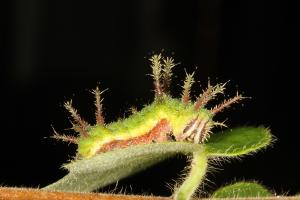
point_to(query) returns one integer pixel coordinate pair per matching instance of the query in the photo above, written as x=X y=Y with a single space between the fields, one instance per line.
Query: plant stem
x=196 y=175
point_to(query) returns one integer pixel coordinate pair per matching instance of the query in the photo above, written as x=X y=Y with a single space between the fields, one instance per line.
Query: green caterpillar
x=166 y=119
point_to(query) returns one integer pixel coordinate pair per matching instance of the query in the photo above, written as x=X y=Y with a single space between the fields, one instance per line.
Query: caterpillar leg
x=199 y=136
x=188 y=132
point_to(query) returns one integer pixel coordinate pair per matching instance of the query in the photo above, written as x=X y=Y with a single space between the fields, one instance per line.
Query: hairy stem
x=196 y=175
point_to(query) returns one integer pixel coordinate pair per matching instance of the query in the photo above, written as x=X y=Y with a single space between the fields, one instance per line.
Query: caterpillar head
x=196 y=127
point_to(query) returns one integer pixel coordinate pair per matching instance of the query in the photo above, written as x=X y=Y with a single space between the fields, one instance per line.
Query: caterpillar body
x=165 y=119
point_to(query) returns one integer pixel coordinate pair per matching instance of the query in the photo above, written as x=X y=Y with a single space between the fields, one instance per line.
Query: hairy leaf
x=106 y=168
x=242 y=189
x=238 y=141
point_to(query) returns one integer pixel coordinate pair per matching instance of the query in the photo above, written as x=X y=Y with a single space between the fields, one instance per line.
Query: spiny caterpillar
x=165 y=119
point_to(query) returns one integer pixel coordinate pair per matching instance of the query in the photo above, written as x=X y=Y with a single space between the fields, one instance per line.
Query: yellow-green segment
x=173 y=110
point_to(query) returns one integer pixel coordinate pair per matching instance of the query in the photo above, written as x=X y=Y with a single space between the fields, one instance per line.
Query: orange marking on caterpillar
x=158 y=134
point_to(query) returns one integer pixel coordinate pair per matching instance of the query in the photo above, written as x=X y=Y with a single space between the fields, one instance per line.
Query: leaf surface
x=242 y=189
x=238 y=141
x=106 y=168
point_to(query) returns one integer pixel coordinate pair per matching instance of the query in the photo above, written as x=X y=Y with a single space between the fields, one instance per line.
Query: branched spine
x=209 y=94
x=187 y=85
x=227 y=103
x=65 y=138
x=81 y=124
x=168 y=64
x=156 y=73
x=98 y=104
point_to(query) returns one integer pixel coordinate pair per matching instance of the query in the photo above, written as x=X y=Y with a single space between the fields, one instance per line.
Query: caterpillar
x=166 y=119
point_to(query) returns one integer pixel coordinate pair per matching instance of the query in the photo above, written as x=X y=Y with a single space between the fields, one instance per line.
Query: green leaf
x=242 y=189
x=106 y=168
x=238 y=141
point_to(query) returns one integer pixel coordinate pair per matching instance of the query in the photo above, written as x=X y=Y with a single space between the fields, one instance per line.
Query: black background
x=59 y=50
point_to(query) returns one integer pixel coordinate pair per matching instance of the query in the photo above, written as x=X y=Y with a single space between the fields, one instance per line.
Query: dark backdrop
x=59 y=50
